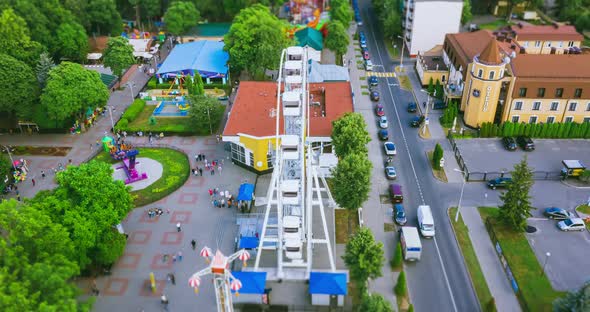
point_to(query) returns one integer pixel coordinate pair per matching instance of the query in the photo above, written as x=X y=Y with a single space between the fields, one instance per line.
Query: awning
x=246 y=191
x=94 y=56
x=327 y=283
x=252 y=282
x=248 y=242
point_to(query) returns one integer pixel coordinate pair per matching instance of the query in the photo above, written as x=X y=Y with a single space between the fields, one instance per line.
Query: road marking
x=381 y=74
x=415 y=175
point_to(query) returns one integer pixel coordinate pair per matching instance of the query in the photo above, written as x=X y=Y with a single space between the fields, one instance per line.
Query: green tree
x=574 y=300
x=255 y=40
x=71 y=89
x=18 y=87
x=118 y=55
x=340 y=11
x=350 y=135
x=205 y=113
x=438 y=88
x=401 y=289
x=396 y=262
x=337 y=39
x=392 y=25
x=363 y=257
x=516 y=200
x=437 y=155
x=430 y=86
x=374 y=303
x=153 y=8
x=195 y=86
x=44 y=65
x=5 y=170
x=15 y=38
x=180 y=17
x=352 y=183
x=102 y=17
x=466 y=15
x=71 y=42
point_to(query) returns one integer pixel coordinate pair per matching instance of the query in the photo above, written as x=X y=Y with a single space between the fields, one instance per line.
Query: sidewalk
x=436 y=130
x=489 y=262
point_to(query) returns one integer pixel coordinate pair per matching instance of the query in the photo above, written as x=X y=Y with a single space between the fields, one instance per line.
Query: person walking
x=219 y=169
x=95 y=290
x=179 y=256
x=172 y=278
x=178 y=227
x=193 y=244
x=201 y=172
x=33 y=181
x=42 y=174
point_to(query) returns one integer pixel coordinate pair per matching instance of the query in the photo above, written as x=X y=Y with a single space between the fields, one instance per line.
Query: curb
x=576 y=187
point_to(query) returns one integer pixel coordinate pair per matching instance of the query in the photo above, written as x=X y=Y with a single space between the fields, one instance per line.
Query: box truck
x=411 y=245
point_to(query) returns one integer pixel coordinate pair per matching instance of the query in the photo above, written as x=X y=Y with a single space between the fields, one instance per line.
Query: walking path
x=488 y=260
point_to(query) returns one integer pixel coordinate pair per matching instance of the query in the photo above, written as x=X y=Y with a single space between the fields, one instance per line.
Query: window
x=515 y=119
x=558 y=92
x=573 y=106
x=270 y=160
x=533 y=119
x=251 y=159
x=570 y=44
x=541 y=92
x=537 y=44
x=550 y=119
x=480 y=73
x=588 y=107
x=492 y=73
x=549 y=44
x=586 y=119
x=569 y=119
x=578 y=93
x=554 y=106
x=536 y=105
x=518 y=105
x=522 y=92
x=525 y=44
x=443 y=78
x=560 y=44
x=238 y=153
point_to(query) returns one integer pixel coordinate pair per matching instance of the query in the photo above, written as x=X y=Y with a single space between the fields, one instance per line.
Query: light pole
x=111 y=115
x=547 y=255
x=401 y=60
x=130 y=85
x=426 y=121
x=460 y=196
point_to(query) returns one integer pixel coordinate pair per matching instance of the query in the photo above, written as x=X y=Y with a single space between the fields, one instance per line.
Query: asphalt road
x=439 y=281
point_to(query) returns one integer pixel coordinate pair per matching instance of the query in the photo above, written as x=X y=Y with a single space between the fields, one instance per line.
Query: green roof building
x=311 y=38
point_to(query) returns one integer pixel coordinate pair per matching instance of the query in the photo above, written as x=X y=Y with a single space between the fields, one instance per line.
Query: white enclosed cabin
x=294 y=53
x=292 y=68
x=291 y=103
x=291 y=227
x=290 y=147
x=293 y=248
x=290 y=192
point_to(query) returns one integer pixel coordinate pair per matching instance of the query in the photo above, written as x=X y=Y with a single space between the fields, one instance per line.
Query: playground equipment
x=20 y=170
x=127 y=154
x=316 y=20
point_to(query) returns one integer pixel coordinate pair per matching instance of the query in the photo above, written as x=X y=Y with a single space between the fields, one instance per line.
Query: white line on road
x=414 y=171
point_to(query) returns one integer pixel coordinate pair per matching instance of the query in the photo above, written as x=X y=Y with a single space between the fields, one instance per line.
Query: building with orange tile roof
x=251 y=125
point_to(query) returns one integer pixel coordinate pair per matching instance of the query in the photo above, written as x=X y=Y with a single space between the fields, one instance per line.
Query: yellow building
x=430 y=65
x=543 y=39
x=251 y=125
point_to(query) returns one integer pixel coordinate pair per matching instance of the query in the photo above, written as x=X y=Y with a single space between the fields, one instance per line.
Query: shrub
x=411 y=308
x=122 y=124
x=134 y=110
x=585 y=176
x=401 y=288
x=491 y=305
x=437 y=155
x=396 y=262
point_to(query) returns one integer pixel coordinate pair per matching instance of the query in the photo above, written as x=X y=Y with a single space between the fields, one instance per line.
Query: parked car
x=383 y=135
x=366 y=55
x=509 y=143
x=389 y=148
x=390 y=173
x=368 y=65
x=363 y=42
x=499 y=182
x=412 y=107
x=373 y=81
x=525 y=143
x=375 y=96
x=379 y=110
x=383 y=124
x=416 y=121
x=399 y=214
x=571 y=224
x=557 y=213
x=362 y=35
x=439 y=105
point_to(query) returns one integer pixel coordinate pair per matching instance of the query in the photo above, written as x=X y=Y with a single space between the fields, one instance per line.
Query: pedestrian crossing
x=381 y=75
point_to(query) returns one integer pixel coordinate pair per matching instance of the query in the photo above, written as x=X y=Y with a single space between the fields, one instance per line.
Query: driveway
x=489 y=155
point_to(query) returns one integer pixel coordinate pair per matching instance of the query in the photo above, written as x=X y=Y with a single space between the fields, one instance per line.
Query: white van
x=425 y=221
x=411 y=245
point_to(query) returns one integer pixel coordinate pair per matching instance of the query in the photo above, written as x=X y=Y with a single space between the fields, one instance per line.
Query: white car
x=572 y=224
x=390 y=173
x=368 y=65
x=389 y=148
x=383 y=122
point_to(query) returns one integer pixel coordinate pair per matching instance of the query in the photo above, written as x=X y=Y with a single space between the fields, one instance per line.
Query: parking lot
x=489 y=155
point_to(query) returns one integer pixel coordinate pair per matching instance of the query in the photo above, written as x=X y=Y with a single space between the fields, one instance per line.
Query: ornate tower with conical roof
x=482 y=85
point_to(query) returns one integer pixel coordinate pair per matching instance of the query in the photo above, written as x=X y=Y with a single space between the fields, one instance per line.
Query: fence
x=506 y=265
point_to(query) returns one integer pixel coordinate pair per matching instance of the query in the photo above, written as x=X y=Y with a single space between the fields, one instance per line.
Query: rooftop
x=206 y=56
x=546 y=32
x=254 y=109
x=310 y=37
x=553 y=66
x=491 y=53
x=326 y=72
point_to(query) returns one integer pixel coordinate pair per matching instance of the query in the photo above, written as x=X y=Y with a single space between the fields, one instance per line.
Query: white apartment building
x=427 y=22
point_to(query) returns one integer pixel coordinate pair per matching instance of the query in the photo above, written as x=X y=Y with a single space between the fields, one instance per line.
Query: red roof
x=253 y=112
x=547 y=32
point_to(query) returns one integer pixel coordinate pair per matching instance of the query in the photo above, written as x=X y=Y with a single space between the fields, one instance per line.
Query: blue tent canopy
x=325 y=283
x=246 y=191
x=248 y=242
x=204 y=56
x=252 y=282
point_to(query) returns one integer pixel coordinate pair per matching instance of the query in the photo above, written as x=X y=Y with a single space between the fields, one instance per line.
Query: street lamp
x=401 y=60
x=460 y=196
x=131 y=85
x=427 y=108
x=547 y=255
x=111 y=115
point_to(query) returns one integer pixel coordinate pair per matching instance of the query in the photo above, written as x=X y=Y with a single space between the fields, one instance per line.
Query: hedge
x=153 y=84
x=558 y=130
x=134 y=110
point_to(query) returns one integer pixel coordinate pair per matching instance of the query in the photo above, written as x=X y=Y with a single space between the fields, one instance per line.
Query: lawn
x=495 y=24
x=477 y=278
x=176 y=171
x=584 y=209
x=390 y=50
x=404 y=82
x=341 y=220
x=438 y=173
x=536 y=292
x=164 y=124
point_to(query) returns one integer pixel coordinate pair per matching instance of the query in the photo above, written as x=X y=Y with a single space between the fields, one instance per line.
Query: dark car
x=366 y=55
x=362 y=35
x=416 y=121
x=399 y=214
x=374 y=96
x=383 y=135
x=557 y=213
x=412 y=107
x=499 y=182
x=379 y=111
x=509 y=143
x=525 y=143
x=373 y=81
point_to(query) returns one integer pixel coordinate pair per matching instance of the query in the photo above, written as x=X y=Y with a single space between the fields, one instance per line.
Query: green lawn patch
x=168 y=125
x=584 y=209
x=362 y=78
x=365 y=93
x=390 y=50
x=438 y=173
x=176 y=171
x=495 y=24
x=341 y=220
x=479 y=282
x=404 y=82
x=536 y=292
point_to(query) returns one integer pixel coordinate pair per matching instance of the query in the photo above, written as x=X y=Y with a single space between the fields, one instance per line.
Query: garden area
x=176 y=171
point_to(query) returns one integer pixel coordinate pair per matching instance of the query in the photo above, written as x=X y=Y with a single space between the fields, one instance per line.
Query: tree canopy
x=15 y=39
x=374 y=303
x=255 y=40
x=180 y=17
x=466 y=14
x=517 y=200
x=578 y=300
x=71 y=89
x=350 y=135
x=340 y=11
x=363 y=257
x=18 y=87
x=44 y=65
x=205 y=113
x=118 y=55
x=72 y=42
x=337 y=39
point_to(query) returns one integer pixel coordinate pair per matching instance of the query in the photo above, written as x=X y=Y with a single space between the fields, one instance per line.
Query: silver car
x=390 y=173
x=383 y=122
x=572 y=224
